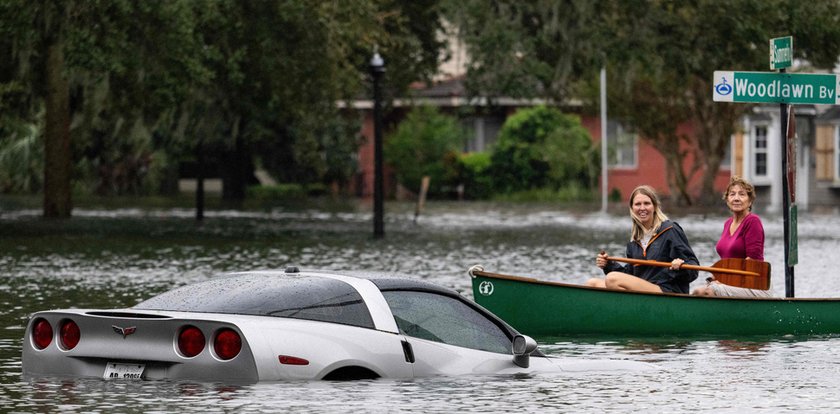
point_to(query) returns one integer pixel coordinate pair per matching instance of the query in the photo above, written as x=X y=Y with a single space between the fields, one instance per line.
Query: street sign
x=772 y=87
x=781 y=52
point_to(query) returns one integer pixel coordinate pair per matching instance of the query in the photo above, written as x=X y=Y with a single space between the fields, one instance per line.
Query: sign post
x=792 y=258
x=781 y=57
x=786 y=111
x=793 y=250
x=786 y=89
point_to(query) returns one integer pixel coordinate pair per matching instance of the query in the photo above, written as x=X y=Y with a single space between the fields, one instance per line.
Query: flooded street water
x=116 y=258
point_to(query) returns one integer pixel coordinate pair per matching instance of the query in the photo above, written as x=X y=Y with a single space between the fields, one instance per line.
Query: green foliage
x=339 y=145
x=21 y=161
x=476 y=175
x=665 y=81
x=542 y=148
x=570 y=193
x=160 y=172
x=285 y=191
x=21 y=146
x=153 y=81
x=325 y=151
x=527 y=49
x=659 y=57
x=425 y=144
x=615 y=195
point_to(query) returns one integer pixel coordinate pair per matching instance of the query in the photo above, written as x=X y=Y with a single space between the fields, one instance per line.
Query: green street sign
x=781 y=52
x=772 y=87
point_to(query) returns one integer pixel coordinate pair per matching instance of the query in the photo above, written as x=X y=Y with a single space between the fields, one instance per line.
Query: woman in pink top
x=742 y=237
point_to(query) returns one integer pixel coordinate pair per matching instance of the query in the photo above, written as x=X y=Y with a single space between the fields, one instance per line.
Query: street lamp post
x=377 y=69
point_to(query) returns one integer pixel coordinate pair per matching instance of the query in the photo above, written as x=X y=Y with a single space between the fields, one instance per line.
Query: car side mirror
x=522 y=346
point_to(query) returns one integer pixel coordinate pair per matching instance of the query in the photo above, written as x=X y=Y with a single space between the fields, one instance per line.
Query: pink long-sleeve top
x=748 y=240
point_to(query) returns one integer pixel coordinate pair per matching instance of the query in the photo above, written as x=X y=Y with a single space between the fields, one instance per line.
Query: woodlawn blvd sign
x=790 y=88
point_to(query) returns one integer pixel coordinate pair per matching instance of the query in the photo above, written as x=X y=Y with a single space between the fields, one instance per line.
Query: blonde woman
x=742 y=237
x=653 y=237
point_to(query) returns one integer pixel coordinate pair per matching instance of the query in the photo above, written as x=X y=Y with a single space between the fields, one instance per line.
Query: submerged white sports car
x=288 y=325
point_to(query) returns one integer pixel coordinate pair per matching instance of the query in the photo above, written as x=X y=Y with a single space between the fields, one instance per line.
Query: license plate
x=123 y=371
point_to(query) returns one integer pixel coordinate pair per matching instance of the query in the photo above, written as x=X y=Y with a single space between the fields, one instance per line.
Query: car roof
x=383 y=280
x=396 y=281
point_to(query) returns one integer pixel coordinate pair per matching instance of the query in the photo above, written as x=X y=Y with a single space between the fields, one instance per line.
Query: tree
x=661 y=55
x=118 y=80
x=426 y=143
x=527 y=49
x=542 y=148
x=677 y=45
x=278 y=81
x=90 y=64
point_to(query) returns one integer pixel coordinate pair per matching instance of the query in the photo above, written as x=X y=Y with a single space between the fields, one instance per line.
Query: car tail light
x=291 y=360
x=42 y=333
x=70 y=334
x=190 y=341
x=227 y=343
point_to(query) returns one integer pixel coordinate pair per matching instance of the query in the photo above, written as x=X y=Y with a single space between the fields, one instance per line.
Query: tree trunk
x=234 y=170
x=677 y=179
x=199 y=181
x=57 y=154
x=708 y=194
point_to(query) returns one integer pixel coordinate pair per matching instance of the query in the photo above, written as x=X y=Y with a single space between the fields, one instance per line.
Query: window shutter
x=825 y=152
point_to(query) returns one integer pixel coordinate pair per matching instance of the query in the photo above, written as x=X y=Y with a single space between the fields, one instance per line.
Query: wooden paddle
x=762 y=281
x=752 y=274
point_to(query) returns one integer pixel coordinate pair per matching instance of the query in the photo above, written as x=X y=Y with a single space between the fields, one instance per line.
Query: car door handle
x=408 y=351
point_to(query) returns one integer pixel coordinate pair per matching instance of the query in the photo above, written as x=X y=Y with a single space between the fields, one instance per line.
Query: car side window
x=447 y=320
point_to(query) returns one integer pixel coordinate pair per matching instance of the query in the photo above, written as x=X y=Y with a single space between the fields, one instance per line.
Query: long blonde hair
x=658 y=216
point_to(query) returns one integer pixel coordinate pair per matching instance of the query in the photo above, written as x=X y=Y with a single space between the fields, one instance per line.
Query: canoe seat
x=762 y=281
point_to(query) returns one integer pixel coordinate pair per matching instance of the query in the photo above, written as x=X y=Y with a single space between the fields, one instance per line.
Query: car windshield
x=300 y=297
x=445 y=319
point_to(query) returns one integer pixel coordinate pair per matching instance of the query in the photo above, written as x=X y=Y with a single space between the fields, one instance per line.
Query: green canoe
x=541 y=308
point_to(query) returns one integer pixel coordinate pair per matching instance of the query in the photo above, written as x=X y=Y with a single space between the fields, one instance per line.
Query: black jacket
x=668 y=243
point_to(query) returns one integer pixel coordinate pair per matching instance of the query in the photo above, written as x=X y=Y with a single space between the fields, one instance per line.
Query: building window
x=482 y=132
x=726 y=161
x=759 y=151
x=622 y=146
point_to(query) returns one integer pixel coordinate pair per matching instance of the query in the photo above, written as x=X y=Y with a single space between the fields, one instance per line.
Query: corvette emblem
x=124 y=331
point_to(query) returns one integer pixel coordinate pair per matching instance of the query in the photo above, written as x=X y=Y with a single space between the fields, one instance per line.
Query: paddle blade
x=762 y=281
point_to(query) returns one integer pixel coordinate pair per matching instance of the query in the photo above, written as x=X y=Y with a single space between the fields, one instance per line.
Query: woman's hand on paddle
x=676 y=263
x=601 y=259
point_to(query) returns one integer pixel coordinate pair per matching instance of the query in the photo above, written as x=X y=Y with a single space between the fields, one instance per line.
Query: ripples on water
x=117 y=258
